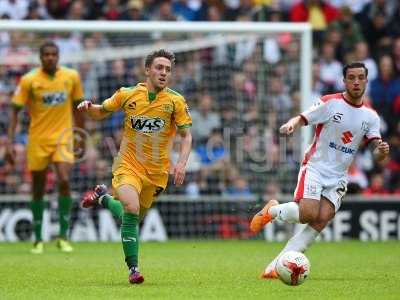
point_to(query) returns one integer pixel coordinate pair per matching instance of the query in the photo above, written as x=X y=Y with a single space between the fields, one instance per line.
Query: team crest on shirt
x=145 y=124
x=168 y=108
x=132 y=105
x=337 y=117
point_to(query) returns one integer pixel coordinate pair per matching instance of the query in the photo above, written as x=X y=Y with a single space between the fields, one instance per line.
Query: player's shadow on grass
x=335 y=278
x=123 y=284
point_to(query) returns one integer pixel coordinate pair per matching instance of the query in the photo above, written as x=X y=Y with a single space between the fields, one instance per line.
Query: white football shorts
x=311 y=185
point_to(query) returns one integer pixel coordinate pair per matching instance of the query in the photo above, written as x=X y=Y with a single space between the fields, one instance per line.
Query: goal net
x=241 y=81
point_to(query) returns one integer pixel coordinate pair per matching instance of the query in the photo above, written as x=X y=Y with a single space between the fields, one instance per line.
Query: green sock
x=130 y=238
x=64 y=209
x=37 y=207
x=113 y=205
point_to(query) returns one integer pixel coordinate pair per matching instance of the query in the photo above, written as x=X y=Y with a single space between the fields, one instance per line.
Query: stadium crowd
x=222 y=88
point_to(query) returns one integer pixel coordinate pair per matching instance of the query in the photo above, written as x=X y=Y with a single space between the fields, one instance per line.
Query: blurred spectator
x=244 y=8
x=317 y=84
x=374 y=20
x=393 y=165
x=37 y=11
x=189 y=10
x=331 y=69
x=4 y=110
x=230 y=120
x=355 y=5
x=317 y=12
x=120 y=76
x=89 y=80
x=193 y=167
x=385 y=91
x=68 y=43
x=377 y=186
x=16 y=57
x=357 y=180
x=241 y=92
x=394 y=24
x=185 y=80
x=77 y=10
x=112 y=10
x=349 y=30
x=239 y=187
x=278 y=100
x=193 y=164
x=58 y=9
x=396 y=54
x=272 y=190
x=192 y=190
x=213 y=153
x=361 y=53
x=11 y=183
x=204 y=119
x=292 y=63
x=165 y=12
x=15 y=9
x=134 y=11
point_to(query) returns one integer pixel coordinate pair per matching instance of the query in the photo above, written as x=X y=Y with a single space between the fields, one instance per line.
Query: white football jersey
x=341 y=127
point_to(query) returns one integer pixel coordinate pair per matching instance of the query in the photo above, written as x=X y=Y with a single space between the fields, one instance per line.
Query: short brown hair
x=159 y=53
x=353 y=65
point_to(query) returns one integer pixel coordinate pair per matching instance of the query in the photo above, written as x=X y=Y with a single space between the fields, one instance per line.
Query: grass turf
x=198 y=269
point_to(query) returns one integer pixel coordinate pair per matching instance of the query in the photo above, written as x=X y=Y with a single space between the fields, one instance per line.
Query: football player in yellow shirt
x=51 y=94
x=153 y=113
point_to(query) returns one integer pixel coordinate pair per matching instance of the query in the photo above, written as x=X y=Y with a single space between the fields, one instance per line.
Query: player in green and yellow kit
x=50 y=94
x=153 y=113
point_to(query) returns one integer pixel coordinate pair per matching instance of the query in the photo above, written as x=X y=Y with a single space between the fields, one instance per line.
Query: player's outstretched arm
x=10 y=155
x=380 y=149
x=95 y=111
x=290 y=126
x=186 y=145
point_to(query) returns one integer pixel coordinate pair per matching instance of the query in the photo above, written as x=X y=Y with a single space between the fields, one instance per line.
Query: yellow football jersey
x=49 y=101
x=149 y=127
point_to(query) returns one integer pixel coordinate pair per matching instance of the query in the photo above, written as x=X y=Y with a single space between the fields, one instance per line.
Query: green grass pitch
x=198 y=270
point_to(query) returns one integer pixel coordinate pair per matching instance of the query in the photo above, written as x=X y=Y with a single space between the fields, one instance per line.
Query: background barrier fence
x=375 y=219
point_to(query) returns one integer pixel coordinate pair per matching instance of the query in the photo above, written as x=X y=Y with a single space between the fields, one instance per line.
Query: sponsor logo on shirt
x=147 y=125
x=347 y=137
x=54 y=98
x=342 y=148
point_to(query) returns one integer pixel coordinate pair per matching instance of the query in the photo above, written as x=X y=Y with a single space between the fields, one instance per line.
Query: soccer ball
x=293 y=268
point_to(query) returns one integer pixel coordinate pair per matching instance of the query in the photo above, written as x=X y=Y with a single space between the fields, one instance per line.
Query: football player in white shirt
x=342 y=122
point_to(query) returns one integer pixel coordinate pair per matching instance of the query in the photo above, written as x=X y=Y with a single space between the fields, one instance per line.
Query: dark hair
x=48 y=44
x=159 y=53
x=353 y=65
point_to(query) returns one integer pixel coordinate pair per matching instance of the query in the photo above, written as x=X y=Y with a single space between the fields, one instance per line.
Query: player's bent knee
x=132 y=208
x=318 y=226
x=320 y=223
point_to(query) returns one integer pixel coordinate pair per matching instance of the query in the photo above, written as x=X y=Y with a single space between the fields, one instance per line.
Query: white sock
x=286 y=212
x=299 y=242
